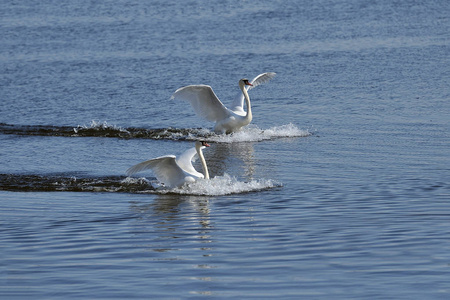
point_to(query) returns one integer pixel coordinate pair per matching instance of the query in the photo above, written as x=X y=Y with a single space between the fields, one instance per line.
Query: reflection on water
x=178 y=228
x=225 y=157
x=179 y=219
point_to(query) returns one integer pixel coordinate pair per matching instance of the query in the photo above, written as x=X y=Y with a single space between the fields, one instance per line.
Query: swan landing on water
x=207 y=105
x=175 y=171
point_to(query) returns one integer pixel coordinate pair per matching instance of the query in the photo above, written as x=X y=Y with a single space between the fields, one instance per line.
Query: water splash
x=253 y=133
x=99 y=126
x=222 y=185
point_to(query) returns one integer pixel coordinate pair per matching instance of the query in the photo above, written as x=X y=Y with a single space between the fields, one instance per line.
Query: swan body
x=175 y=171
x=207 y=105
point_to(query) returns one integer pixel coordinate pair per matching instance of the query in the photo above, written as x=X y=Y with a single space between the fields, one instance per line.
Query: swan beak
x=246 y=82
x=205 y=144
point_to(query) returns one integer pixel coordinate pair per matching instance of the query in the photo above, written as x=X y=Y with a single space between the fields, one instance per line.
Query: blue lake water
x=339 y=189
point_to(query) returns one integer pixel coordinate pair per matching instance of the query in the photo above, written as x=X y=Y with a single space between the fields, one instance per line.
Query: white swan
x=175 y=171
x=207 y=105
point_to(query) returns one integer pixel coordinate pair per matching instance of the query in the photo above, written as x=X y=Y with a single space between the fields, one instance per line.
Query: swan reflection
x=235 y=159
x=172 y=220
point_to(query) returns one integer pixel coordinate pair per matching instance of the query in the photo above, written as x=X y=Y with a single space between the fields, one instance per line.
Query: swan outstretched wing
x=204 y=101
x=185 y=160
x=261 y=78
x=165 y=168
x=238 y=102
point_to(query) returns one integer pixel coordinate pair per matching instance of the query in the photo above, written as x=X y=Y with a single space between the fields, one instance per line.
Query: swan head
x=201 y=144
x=243 y=82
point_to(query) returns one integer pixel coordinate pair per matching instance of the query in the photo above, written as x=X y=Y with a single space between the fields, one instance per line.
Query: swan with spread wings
x=206 y=104
x=175 y=171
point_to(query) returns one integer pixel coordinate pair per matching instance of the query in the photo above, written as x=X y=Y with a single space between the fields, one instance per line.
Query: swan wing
x=262 y=78
x=238 y=102
x=204 y=101
x=185 y=160
x=165 y=169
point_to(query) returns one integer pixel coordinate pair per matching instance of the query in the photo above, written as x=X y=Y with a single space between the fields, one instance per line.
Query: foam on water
x=97 y=125
x=217 y=186
x=253 y=133
x=225 y=185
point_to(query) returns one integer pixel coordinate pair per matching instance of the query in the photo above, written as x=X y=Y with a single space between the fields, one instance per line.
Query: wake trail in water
x=217 y=186
x=250 y=133
x=100 y=130
x=54 y=183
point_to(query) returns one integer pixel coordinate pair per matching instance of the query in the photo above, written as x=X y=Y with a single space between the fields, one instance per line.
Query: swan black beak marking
x=205 y=144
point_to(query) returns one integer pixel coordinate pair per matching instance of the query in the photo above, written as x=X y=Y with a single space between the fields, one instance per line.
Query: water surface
x=339 y=188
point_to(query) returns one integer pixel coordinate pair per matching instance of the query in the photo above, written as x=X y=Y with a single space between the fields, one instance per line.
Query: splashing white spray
x=217 y=186
x=253 y=133
x=97 y=125
x=225 y=185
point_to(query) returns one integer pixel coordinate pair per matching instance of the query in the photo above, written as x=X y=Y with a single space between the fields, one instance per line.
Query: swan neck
x=204 y=166
x=247 y=102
